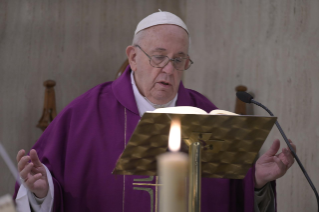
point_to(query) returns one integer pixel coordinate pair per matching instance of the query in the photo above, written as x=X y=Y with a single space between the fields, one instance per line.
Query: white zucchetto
x=159 y=18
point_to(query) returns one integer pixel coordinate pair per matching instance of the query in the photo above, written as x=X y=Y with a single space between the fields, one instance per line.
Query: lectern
x=219 y=146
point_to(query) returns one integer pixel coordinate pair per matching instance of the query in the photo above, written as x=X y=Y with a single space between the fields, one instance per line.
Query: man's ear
x=131 y=56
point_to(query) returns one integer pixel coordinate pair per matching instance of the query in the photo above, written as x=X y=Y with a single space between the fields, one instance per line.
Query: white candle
x=172 y=169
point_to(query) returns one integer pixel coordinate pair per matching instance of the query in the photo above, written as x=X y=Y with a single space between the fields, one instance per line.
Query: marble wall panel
x=272 y=47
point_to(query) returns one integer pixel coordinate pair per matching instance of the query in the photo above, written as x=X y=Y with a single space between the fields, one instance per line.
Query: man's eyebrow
x=159 y=50
x=163 y=50
x=182 y=53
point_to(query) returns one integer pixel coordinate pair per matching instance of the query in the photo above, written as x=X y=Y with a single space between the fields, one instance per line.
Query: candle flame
x=174 y=140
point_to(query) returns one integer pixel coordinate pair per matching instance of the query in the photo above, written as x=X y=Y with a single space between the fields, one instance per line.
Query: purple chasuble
x=81 y=147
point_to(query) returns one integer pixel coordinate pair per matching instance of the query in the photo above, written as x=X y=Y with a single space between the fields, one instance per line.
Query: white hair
x=143 y=33
x=138 y=37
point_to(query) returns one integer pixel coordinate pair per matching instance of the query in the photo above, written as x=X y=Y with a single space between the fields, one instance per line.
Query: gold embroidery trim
x=144 y=179
x=150 y=191
x=147 y=184
x=125 y=125
x=156 y=193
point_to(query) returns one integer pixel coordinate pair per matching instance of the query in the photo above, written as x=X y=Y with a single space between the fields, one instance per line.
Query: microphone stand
x=291 y=149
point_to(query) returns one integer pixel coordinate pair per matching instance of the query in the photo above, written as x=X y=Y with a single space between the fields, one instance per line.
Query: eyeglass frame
x=169 y=59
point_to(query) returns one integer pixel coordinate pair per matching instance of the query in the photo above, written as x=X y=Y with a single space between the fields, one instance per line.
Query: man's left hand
x=271 y=166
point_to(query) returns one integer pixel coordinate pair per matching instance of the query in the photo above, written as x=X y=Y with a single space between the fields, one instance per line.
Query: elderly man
x=71 y=164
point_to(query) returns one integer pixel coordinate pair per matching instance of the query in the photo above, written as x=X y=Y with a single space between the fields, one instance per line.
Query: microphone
x=247 y=98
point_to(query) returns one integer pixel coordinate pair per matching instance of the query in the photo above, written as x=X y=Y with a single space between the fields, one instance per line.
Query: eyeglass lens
x=178 y=63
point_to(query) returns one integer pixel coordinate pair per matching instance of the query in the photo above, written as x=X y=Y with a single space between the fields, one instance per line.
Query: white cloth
x=24 y=196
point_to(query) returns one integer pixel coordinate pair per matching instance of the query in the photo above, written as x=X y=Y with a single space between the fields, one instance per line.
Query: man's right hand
x=33 y=174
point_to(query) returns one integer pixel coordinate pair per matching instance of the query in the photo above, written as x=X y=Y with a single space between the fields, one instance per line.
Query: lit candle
x=172 y=169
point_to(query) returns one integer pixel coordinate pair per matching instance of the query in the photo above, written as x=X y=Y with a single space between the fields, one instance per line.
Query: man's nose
x=169 y=68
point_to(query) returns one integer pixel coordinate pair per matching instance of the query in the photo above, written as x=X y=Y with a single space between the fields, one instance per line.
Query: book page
x=222 y=112
x=179 y=110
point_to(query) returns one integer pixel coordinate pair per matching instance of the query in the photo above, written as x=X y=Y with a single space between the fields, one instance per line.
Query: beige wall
x=79 y=44
x=273 y=48
x=270 y=46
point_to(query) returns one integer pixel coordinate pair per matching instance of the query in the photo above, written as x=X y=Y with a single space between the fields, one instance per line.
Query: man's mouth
x=164 y=83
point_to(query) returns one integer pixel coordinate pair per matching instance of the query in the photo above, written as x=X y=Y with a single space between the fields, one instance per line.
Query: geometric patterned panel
x=230 y=143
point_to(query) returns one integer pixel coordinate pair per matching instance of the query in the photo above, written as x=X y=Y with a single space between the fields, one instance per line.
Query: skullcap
x=159 y=18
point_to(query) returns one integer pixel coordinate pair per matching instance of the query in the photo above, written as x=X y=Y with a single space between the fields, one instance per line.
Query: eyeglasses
x=160 y=61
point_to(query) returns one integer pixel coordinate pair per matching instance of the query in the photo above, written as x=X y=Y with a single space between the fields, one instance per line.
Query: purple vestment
x=81 y=147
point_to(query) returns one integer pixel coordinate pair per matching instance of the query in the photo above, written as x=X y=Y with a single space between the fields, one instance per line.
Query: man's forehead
x=165 y=32
x=164 y=50
x=167 y=27
x=165 y=39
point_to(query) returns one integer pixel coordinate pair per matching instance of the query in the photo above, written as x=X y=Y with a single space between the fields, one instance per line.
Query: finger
x=281 y=165
x=34 y=158
x=293 y=145
x=24 y=173
x=20 y=154
x=283 y=156
x=286 y=157
x=289 y=157
x=32 y=179
x=23 y=162
x=274 y=148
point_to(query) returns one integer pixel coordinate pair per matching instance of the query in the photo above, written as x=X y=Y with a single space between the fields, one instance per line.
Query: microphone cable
x=247 y=98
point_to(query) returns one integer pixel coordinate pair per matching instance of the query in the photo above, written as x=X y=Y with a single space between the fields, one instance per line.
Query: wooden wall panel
x=272 y=47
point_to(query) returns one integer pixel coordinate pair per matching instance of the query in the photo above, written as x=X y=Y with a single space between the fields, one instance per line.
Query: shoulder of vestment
x=201 y=101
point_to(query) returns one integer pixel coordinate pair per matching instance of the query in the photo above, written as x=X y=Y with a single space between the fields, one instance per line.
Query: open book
x=190 y=110
x=230 y=142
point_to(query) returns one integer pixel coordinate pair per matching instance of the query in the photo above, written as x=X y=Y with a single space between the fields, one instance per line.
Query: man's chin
x=161 y=98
